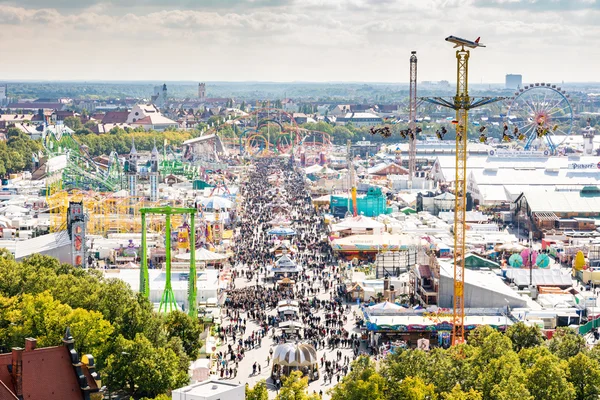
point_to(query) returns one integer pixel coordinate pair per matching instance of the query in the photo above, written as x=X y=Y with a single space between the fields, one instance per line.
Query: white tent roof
x=358 y=222
x=285 y=262
x=541 y=277
x=203 y=254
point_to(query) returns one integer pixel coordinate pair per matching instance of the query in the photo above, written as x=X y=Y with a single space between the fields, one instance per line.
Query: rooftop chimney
x=17 y=371
x=30 y=344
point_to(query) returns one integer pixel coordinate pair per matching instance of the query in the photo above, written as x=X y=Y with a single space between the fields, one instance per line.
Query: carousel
x=289 y=357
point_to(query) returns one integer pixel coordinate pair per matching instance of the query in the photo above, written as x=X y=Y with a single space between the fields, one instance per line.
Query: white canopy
x=203 y=254
x=358 y=222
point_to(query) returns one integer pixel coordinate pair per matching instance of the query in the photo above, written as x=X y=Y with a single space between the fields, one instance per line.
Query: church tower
x=163 y=95
x=202 y=91
x=154 y=174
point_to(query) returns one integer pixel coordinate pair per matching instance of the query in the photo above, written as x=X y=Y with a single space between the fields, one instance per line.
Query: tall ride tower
x=412 y=116
x=76 y=230
x=154 y=174
x=131 y=171
x=461 y=103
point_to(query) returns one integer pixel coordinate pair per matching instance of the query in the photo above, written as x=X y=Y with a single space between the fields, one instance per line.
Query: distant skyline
x=296 y=40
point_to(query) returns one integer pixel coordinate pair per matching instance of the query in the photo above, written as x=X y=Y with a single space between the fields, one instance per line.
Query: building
x=555 y=211
x=149 y=117
x=159 y=97
x=50 y=373
x=514 y=81
x=360 y=119
x=3 y=95
x=206 y=147
x=385 y=169
x=210 y=390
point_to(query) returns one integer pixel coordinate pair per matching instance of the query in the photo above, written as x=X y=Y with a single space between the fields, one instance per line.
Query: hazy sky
x=296 y=40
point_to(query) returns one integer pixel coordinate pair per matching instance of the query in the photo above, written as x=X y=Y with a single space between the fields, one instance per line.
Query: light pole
x=530 y=260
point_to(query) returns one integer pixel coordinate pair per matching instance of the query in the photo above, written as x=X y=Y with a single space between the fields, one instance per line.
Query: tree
x=458 y=394
x=363 y=382
x=584 y=375
x=188 y=329
x=415 y=389
x=524 y=336
x=294 y=388
x=547 y=380
x=140 y=369
x=73 y=123
x=90 y=330
x=258 y=392
x=566 y=343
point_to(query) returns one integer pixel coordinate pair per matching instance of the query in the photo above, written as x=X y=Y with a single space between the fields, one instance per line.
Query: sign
x=581 y=166
x=518 y=153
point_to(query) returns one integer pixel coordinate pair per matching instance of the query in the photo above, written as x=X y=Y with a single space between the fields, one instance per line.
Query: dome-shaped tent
x=290 y=357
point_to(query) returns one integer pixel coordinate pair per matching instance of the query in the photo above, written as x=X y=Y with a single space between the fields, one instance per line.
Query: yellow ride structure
x=461 y=103
x=107 y=212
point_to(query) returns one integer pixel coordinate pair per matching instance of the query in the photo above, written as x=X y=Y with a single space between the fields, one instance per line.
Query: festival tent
x=382 y=242
x=359 y=223
x=204 y=255
x=217 y=203
x=320 y=170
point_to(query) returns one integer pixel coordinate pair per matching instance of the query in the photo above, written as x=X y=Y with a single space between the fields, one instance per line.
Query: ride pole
x=192 y=289
x=144 y=280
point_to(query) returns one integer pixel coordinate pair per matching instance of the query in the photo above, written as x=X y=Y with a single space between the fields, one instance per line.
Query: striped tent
x=295 y=355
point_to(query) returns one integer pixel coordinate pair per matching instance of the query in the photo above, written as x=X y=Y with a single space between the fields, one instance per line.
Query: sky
x=297 y=40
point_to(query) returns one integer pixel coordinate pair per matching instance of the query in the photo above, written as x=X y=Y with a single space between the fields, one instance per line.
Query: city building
x=149 y=117
x=3 y=95
x=514 y=81
x=556 y=211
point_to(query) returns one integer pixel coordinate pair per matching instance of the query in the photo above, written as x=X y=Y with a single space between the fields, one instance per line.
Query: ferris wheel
x=541 y=115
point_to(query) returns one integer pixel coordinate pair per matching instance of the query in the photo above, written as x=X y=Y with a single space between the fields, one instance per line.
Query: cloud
x=141 y=4
x=540 y=5
x=294 y=39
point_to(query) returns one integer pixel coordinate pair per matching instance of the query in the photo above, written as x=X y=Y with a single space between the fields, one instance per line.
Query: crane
x=412 y=116
x=461 y=103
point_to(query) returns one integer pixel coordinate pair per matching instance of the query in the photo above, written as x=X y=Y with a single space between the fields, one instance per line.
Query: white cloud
x=296 y=40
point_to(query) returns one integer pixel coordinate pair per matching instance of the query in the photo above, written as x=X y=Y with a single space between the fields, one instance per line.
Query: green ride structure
x=167 y=302
x=81 y=170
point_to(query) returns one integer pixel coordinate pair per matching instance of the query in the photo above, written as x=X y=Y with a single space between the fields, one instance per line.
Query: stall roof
x=541 y=277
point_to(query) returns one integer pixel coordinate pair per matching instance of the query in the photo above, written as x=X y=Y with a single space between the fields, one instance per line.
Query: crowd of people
x=274 y=190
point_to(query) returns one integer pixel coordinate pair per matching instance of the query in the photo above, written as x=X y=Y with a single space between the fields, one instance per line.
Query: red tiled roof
x=143 y=121
x=115 y=117
x=47 y=374
x=425 y=271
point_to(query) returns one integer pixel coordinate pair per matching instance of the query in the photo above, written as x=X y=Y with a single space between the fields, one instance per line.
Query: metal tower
x=131 y=171
x=154 y=174
x=412 y=116
x=76 y=227
x=167 y=302
x=461 y=103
